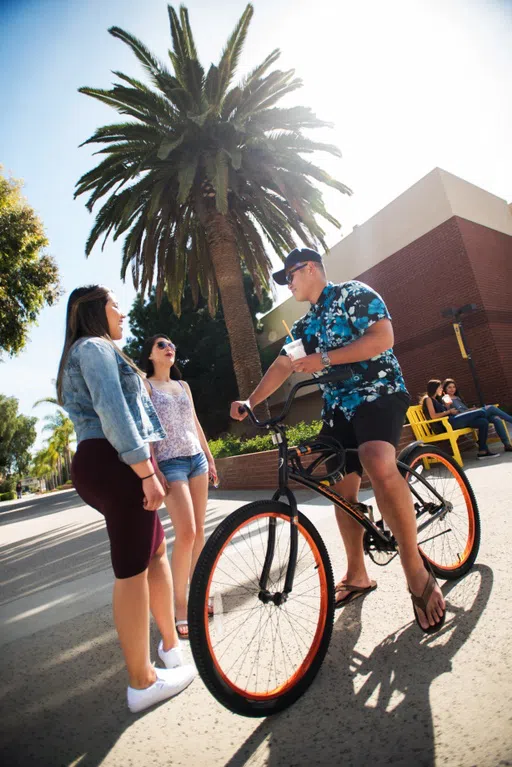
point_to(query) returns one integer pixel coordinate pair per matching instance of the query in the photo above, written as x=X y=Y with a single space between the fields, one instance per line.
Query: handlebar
x=339 y=375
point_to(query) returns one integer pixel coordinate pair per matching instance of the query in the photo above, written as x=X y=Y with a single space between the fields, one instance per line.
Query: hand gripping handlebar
x=342 y=373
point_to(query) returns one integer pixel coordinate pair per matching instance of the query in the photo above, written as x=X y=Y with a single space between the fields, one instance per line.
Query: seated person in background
x=452 y=399
x=434 y=408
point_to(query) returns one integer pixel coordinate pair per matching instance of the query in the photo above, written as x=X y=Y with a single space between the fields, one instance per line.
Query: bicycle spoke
x=259 y=645
x=446 y=539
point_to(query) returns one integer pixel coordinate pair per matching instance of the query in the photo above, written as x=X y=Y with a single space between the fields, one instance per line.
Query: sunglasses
x=289 y=276
x=165 y=344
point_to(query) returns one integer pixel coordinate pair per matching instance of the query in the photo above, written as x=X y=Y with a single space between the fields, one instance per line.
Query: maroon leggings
x=112 y=488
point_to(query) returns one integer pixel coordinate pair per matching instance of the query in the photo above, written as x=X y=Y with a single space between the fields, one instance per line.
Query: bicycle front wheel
x=448 y=529
x=255 y=656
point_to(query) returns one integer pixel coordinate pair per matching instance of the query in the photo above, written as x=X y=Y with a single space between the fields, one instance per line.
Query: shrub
x=228 y=444
x=66 y=486
x=7 y=485
x=10 y=496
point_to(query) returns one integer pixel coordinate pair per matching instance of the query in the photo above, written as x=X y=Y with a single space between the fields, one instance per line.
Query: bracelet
x=149 y=475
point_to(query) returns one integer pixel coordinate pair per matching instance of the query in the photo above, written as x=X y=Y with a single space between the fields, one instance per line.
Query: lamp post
x=455 y=314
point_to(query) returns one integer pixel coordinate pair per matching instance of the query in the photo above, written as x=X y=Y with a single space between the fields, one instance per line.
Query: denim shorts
x=184 y=468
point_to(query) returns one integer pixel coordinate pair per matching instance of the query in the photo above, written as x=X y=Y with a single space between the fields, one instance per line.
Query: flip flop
x=354 y=592
x=422 y=601
x=183 y=634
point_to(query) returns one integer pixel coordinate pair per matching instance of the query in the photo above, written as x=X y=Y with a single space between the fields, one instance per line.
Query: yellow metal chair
x=422 y=429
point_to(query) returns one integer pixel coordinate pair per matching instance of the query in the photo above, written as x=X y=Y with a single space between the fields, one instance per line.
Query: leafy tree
x=203 y=351
x=17 y=435
x=29 y=278
x=203 y=173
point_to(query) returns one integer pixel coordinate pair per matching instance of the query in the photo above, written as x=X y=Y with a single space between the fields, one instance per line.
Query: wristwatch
x=326 y=361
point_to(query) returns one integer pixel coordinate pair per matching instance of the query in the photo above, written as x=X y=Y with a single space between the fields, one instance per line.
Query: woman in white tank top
x=183 y=464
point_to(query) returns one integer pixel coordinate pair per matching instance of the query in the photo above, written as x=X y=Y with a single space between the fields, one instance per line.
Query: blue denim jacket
x=105 y=398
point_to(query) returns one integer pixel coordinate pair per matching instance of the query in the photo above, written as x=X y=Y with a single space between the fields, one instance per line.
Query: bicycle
x=268 y=572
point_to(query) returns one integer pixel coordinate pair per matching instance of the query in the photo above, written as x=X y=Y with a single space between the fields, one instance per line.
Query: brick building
x=442 y=243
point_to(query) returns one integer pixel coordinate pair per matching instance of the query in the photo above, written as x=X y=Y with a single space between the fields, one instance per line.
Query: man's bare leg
x=396 y=506
x=352 y=535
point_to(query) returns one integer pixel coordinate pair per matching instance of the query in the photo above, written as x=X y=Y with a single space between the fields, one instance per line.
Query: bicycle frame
x=285 y=474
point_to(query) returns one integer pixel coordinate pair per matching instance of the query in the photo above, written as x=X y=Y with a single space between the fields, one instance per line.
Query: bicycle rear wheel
x=448 y=531
x=257 y=658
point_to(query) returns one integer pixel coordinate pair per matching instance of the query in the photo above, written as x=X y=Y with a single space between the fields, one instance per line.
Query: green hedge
x=228 y=444
x=66 y=486
x=8 y=485
x=10 y=496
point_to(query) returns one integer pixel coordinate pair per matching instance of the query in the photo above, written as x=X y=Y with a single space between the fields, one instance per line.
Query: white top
x=177 y=417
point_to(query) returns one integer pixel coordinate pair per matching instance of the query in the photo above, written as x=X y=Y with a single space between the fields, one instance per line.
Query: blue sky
x=409 y=85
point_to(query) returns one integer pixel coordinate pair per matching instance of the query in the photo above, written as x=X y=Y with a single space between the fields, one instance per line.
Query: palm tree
x=62 y=434
x=45 y=466
x=203 y=173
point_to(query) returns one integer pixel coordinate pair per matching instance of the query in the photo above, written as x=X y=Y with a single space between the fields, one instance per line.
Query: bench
x=423 y=431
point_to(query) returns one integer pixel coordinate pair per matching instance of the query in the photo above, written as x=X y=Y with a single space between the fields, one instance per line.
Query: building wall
x=490 y=256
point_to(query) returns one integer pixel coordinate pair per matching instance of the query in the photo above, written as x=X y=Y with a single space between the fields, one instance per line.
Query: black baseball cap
x=297 y=256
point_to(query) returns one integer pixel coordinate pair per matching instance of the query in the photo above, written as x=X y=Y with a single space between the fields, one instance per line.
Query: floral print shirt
x=341 y=315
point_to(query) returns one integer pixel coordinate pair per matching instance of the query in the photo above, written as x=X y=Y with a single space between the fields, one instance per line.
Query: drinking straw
x=288 y=330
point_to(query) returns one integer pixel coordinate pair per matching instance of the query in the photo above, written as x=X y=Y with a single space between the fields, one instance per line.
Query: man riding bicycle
x=349 y=324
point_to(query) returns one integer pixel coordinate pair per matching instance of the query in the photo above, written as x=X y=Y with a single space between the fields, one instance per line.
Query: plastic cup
x=295 y=350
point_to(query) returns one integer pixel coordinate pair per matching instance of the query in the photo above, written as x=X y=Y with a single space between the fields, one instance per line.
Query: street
x=386 y=694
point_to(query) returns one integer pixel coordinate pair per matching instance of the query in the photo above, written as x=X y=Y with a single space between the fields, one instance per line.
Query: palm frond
x=231 y=54
x=149 y=62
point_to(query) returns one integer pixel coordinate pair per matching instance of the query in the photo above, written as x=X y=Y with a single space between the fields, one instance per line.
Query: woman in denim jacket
x=103 y=392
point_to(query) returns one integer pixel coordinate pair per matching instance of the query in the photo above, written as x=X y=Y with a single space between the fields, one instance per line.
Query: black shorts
x=380 y=420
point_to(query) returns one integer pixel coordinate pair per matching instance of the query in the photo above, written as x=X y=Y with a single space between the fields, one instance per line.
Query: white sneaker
x=171 y=658
x=169 y=682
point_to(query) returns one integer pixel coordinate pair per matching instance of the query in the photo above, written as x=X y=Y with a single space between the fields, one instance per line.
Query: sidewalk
x=384 y=695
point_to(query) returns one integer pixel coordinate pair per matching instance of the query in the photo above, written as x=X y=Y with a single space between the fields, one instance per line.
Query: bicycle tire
x=248 y=522
x=451 y=551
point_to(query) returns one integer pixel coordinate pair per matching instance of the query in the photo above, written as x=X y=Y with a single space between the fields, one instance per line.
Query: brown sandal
x=422 y=602
x=354 y=592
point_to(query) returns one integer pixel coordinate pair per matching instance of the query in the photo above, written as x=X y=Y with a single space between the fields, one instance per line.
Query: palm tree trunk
x=228 y=273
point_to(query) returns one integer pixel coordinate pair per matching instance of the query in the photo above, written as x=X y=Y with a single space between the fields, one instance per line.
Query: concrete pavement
x=385 y=694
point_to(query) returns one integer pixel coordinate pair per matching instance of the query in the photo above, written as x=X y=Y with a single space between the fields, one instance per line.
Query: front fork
x=279 y=597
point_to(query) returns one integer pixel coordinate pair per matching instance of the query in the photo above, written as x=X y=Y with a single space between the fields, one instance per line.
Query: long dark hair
x=146 y=364
x=86 y=316
x=446 y=383
x=432 y=386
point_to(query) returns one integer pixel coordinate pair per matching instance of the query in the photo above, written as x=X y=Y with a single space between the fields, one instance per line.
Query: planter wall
x=258 y=471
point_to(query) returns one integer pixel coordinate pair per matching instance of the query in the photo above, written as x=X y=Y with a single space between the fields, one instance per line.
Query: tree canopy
x=29 y=278
x=17 y=435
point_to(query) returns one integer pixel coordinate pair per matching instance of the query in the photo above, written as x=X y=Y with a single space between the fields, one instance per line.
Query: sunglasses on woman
x=165 y=344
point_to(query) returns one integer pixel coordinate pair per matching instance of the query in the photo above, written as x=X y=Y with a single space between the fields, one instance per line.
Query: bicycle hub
x=278 y=598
